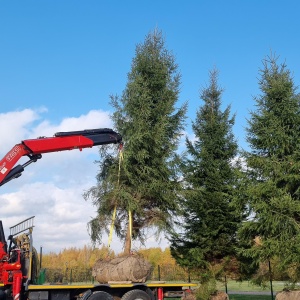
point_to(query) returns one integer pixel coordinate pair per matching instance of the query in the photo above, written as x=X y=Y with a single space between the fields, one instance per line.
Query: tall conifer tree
x=210 y=218
x=147 y=118
x=274 y=168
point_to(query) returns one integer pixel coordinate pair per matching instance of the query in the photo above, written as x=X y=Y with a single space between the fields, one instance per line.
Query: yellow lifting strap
x=112 y=226
x=130 y=225
x=115 y=208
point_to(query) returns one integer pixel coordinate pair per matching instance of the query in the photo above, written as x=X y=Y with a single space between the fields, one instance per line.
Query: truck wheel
x=101 y=296
x=136 y=295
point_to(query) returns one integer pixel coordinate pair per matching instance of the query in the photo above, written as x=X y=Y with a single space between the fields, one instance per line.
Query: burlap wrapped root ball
x=126 y=268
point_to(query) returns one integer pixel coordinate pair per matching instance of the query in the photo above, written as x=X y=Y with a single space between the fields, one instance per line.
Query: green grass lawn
x=247 y=286
x=234 y=288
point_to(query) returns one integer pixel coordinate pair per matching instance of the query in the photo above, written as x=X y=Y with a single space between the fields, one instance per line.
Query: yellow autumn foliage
x=75 y=257
x=87 y=256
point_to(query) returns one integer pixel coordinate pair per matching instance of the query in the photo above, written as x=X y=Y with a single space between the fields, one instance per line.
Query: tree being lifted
x=140 y=192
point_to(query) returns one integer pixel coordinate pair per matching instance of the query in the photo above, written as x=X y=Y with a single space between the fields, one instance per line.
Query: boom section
x=61 y=141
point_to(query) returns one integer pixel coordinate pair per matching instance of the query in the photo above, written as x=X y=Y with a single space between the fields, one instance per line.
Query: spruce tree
x=146 y=185
x=273 y=194
x=210 y=217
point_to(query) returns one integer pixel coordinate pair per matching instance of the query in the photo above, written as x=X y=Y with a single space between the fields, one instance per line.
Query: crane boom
x=61 y=141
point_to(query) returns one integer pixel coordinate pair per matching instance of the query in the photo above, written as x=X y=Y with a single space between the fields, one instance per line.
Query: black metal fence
x=72 y=275
x=66 y=276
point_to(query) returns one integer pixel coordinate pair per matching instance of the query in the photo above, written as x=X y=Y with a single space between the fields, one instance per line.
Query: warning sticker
x=3 y=170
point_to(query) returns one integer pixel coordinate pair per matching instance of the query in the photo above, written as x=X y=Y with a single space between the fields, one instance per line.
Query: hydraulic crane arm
x=34 y=148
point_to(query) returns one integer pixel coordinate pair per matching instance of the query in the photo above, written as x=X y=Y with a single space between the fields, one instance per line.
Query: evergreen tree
x=210 y=216
x=273 y=229
x=150 y=124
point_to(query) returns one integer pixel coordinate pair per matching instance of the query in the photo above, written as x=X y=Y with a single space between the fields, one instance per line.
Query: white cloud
x=51 y=189
x=16 y=126
x=93 y=119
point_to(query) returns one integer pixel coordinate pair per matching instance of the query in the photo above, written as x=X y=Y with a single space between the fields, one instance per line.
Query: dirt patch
x=190 y=296
x=219 y=296
x=288 y=295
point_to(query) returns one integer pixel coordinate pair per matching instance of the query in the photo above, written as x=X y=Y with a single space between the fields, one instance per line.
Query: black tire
x=100 y=295
x=136 y=295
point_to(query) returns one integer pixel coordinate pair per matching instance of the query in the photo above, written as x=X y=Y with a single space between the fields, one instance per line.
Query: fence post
x=41 y=256
x=271 y=280
x=70 y=276
x=158 y=270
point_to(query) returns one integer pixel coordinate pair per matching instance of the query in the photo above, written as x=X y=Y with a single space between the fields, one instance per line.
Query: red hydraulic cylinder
x=160 y=293
x=17 y=282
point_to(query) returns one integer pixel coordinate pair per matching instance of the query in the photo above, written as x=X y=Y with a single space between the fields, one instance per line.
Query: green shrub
x=206 y=289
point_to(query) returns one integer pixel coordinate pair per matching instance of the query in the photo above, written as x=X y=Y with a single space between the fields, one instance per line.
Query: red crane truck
x=18 y=258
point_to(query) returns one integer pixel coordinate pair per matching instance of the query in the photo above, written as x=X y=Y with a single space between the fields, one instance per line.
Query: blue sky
x=69 y=56
x=60 y=61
